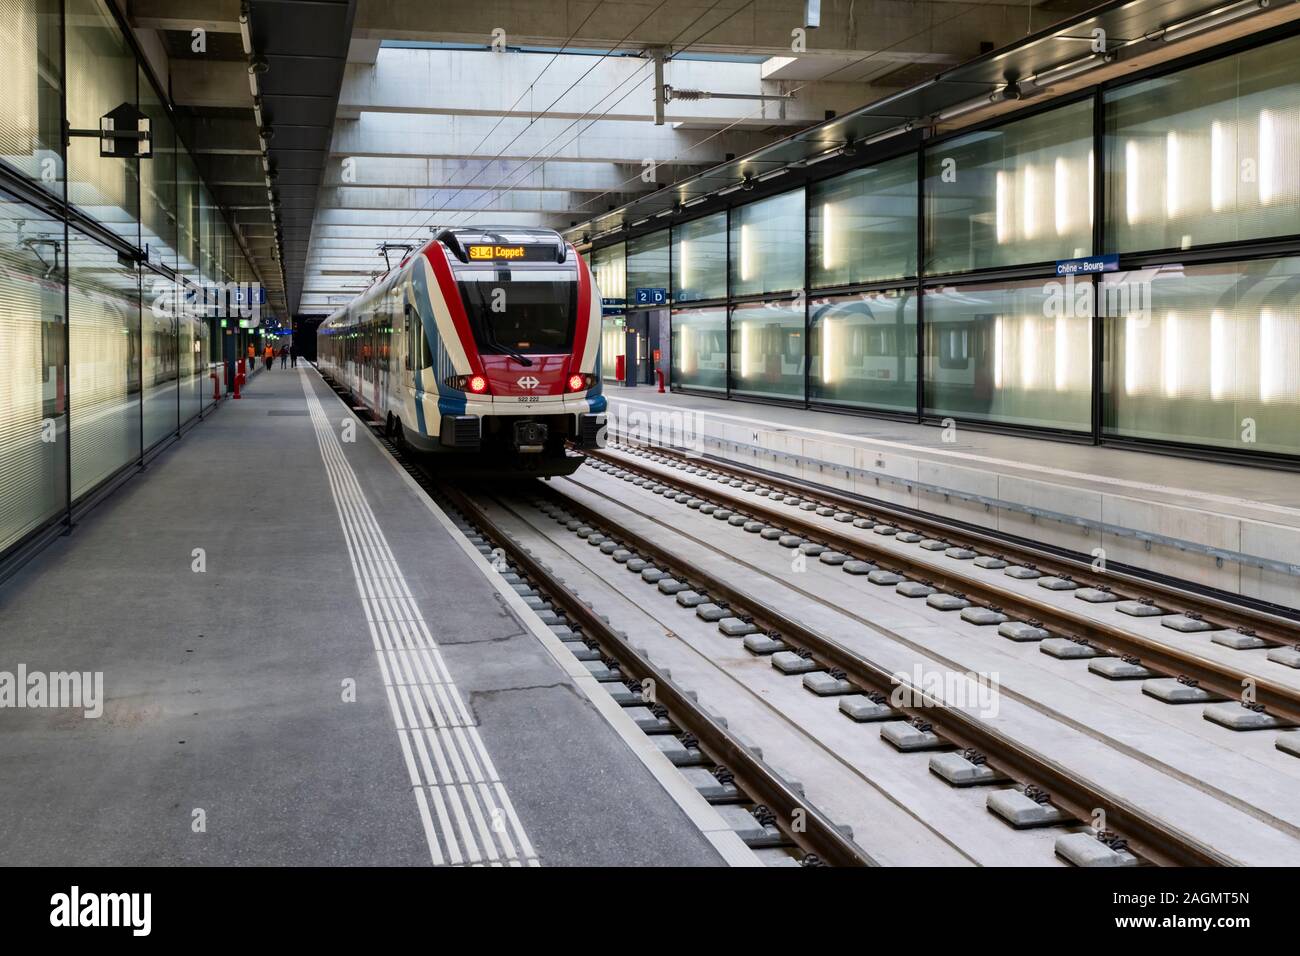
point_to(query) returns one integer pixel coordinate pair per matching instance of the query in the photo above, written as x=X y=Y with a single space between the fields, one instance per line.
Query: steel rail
x=1223 y=613
x=1223 y=679
x=1150 y=838
x=815 y=833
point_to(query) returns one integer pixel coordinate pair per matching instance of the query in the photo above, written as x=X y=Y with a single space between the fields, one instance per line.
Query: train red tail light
x=580 y=382
x=467 y=383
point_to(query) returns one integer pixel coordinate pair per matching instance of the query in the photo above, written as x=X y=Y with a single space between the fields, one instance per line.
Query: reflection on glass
x=1017 y=354
x=647 y=262
x=700 y=259
x=862 y=225
x=699 y=349
x=863 y=350
x=1013 y=195
x=767 y=245
x=1206 y=155
x=33 y=402
x=31 y=94
x=1206 y=354
x=101 y=77
x=613 y=343
x=104 y=319
x=607 y=269
x=767 y=351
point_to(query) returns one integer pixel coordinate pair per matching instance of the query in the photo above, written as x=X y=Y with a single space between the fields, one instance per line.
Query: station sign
x=1089 y=265
x=651 y=297
x=252 y=294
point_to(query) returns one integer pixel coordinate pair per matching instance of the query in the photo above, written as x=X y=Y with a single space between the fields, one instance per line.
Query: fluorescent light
x=1061 y=353
x=1267 y=158
x=744 y=350
x=1219 y=166
x=1003 y=212
x=1028 y=351
x=1030 y=210
x=1132 y=183
x=1173 y=174
x=244 y=35
x=1220 y=353
x=1212 y=19
x=1061 y=196
x=746 y=254
x=997 y=352
x=827 y=348
x=828 y=235
x=1173 y=361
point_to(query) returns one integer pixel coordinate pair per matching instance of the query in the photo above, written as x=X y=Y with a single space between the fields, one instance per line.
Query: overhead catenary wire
x=607 y=110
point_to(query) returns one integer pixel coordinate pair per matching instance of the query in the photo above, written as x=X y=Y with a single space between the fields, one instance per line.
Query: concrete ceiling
x=532 y=112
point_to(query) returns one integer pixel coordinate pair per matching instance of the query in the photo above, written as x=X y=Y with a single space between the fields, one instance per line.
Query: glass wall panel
x=101 y=77
x=700 y=259
x=31 y=90
x=33 y=402
x=160 y=363
x=192 y=339
x=767 y=245
x=1016 y=354
x=607 y=267
x=647 y=263
x=767 y=349
x=862 y=225
x=613 y=344
x=158 y=213
x=104 y=362
x=699 y=347
x=1009 y=196
x=1206 y=155
x=862 y=350
x=1206 y=354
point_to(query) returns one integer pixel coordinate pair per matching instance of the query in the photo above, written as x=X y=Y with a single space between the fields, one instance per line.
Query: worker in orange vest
x=252 y=358
x=268 y=354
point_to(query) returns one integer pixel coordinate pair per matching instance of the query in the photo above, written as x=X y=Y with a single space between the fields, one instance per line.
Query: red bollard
x=239 y=380
x=659 y=376
x=216 y=386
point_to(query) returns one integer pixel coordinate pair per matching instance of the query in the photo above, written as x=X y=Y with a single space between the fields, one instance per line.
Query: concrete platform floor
x=226 y=736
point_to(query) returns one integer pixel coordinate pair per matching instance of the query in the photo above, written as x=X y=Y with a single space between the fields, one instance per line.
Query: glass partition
x=31 y=90
x=647 y=264
x=1206 y=155
x=33 y=400
x=101 y=76
x=1017 y=194
x=862 y=225
x=1018 y=354
x=699 y=346
x=862 y=350
x=700 y=259
x=104 y=365
x=607 y=267
x=767 y=349
x=767 y=245
x=1205 y=354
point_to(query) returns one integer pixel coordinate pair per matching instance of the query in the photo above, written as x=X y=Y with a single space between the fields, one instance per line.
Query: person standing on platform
x=268 y=353
x=284 y=355
x=293 y=355
x=252 y=358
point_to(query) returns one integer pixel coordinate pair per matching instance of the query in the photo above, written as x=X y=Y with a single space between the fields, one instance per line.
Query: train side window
x=412 y=343
x=954 y=348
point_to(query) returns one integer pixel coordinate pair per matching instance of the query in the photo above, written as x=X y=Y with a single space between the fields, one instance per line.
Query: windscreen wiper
x=493 y=341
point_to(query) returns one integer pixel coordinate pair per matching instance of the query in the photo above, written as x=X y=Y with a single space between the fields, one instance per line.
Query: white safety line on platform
x=702 y=814
x=464 y=809
x=1207 y=496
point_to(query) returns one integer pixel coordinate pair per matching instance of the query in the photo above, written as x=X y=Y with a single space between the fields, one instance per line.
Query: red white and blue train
x=482 y=343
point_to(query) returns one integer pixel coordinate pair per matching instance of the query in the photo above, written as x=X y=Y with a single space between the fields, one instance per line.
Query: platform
x=1233 y=527
x=247 y=718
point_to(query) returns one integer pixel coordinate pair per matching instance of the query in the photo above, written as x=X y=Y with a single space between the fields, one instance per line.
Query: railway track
x=1127 y=828
x=756 y=495
x=743 y=777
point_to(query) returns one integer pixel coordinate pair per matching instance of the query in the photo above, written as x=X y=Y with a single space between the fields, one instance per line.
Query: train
x=482 y=348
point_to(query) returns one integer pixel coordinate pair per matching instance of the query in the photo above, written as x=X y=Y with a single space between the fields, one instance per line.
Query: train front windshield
x=525 y=314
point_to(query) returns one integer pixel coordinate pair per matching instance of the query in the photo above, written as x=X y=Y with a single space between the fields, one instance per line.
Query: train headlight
x=467 y=383
x=580 y=382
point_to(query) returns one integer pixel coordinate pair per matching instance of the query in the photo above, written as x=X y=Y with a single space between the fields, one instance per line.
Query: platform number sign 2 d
x=651 y=296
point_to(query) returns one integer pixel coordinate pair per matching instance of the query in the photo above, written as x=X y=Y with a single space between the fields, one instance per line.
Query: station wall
x=101 y=358
x=1190 y=175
